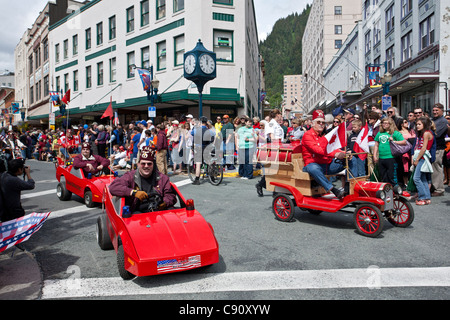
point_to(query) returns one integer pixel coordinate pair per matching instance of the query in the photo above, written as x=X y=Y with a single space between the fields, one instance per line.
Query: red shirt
x=314 y=148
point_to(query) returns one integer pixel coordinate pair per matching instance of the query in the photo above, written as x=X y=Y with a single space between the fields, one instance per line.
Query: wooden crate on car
x=284 y=163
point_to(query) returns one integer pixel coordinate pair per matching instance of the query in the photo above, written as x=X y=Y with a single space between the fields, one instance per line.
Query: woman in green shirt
x=382 y=151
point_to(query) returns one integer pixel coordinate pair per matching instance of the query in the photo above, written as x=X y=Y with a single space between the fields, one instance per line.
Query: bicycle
x=212 y=170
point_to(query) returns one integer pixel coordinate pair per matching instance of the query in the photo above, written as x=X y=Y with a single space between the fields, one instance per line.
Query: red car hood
x=171 y=233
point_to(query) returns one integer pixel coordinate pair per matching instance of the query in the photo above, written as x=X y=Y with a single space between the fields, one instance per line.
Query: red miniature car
x=373 y=201
x=72 y=180
x=156 y=242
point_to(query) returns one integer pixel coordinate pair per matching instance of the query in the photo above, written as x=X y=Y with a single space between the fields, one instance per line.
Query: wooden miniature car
x=373 y=201
x=156 y=242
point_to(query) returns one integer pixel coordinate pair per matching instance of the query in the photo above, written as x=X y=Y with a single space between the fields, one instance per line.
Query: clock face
x=189 y=64
x=207 y=64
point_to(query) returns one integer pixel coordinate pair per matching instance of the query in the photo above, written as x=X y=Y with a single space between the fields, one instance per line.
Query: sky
x=18 y=15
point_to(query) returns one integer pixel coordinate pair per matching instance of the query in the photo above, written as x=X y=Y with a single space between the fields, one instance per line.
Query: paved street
x=313 y=257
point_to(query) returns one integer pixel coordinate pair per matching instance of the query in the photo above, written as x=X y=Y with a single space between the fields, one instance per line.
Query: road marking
x=38 y=194
x=184 y=283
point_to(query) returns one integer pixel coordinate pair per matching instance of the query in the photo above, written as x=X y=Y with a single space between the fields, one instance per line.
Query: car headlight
x=398 y=190
x=381 y=194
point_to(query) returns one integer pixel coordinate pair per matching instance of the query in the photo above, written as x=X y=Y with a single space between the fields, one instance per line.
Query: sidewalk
x=20 y=275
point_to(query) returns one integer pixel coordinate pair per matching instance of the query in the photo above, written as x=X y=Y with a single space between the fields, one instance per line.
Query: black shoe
x=338 y=193
x=259 y=190
x=196 y=182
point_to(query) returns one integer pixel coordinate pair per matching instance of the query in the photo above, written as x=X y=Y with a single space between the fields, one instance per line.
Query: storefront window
x=422 y=97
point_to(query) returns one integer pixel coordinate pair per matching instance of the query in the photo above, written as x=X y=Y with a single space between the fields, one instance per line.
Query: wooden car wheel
x=283 y=207
x=402 y=215
x=368 y=220
x=121 y=264
x=103 y=239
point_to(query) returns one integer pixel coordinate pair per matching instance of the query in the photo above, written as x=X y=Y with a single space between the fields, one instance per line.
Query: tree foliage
x=282 y=52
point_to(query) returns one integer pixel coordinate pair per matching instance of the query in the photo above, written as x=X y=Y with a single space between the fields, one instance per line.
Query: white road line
x=38 y=194
x=64 y=212
x=372 y=278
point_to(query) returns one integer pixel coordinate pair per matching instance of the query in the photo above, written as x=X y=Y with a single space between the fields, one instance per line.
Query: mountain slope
x=282 y=52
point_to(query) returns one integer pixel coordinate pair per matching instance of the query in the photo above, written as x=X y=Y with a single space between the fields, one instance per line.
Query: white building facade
x=93 y=51
x=329 y=23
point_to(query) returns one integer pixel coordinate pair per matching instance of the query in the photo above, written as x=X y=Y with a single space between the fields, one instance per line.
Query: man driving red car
x=90 y=163
x=136 y=186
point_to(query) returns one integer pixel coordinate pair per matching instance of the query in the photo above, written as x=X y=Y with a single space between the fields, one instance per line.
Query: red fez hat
x=147 y=153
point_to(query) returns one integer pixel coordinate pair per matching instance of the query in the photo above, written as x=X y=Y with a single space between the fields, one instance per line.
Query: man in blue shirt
x=203 y=137
x=135 y=142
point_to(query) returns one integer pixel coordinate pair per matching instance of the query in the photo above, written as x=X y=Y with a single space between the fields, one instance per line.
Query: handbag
x=398 y=150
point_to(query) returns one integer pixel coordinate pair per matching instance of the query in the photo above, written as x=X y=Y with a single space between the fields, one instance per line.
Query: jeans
x=357 y=167
x=246 y=163
x=421 y=182
x=318 y=172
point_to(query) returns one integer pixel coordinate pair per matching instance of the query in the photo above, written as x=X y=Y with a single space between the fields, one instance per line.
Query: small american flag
x=179 y=264
x=54 y=96
x=19 y=230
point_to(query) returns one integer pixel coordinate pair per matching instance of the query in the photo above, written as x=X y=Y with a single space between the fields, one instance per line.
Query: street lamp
x=386 y=82
x=22 y=110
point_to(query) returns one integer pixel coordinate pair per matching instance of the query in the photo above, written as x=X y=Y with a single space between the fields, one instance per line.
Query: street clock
x=190 y=63
x=207 y=63
x=200 y=66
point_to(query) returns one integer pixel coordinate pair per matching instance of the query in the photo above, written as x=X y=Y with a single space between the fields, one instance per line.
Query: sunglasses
x=418 y=112
x=146 y=164
x=390 y=112
x=320 y=122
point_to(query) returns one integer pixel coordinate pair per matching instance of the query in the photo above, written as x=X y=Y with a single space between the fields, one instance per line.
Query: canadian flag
x=337 y=138
x=362 y=142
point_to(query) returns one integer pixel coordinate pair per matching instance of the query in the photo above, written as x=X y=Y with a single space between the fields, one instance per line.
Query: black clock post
x=200 y=67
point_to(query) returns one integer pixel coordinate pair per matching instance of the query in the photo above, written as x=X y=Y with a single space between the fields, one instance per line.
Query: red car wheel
x=283 y=208
x=403 y=214
x=368 y=220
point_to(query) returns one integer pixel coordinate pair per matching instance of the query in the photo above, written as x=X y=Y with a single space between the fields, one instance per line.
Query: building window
x=130 y=19
x=66 y=82
x=145 y=57
x=66 y=49
x=99 y=33
x=145 y=13
x=427 y=32
x=112 y=70
x=46 y=86
x=160 y=9
x=366 y=9
x=368 y=42
x=337 y=29
x=406 y=47
x=337 y=44
x=338 y=10
x=223 y=45
x=406 y=7
x=130 y=62
x=58 y=85
x=161 y=51
x=100 y=73
x=56 y=56
x=31 y=95
x=390 y=19
x=75 y=80
x=88 y=77
x=390 y=58
x=179 y=50
x=377 y=33
x=112 y=28
x=75 y=44
x=178 y=5
x=227 y=2
x=88 y=38
x=46 y=50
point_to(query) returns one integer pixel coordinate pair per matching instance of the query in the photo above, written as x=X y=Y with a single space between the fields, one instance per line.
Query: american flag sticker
x=179 y=264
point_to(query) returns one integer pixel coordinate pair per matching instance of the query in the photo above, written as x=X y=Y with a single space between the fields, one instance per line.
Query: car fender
x=298 y=196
